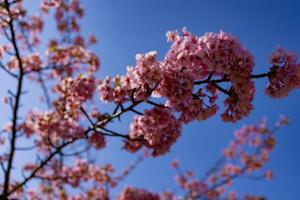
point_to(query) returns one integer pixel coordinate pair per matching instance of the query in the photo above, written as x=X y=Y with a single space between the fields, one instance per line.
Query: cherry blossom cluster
x=73 y=93
x=31 y=62
x=259 y=139
x=214 y=54
x=34 y=24
x=27 y=31
x=46 y=5
x=69 y=54
x=48 y=192
x=61 y=181
x=201 y=107
x=190 y=59
x=246 y=155
x=66 y=14
x=97 y=140
x=137 y=84
x=137 y=194
x=51 y=128
x=57 y=176
x=17 y=11
x=285 y=73
x=65 y=60
x=30 y=29
x=190 y=62
x=80 y=88
x=149 y=131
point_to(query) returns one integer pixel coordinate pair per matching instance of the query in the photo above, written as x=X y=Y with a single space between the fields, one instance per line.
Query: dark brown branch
x=94 y=128
x=222 y=80
x=10 y=3
x=42 y=164
x=76 y=153
x=263 y=75
x=156 y=104
x=221 y=89
x=124 y=110
x=113 y=133
x=135 y=111
x=87 y=116
x=117 y=108
x=16 y=105
x=118 y=114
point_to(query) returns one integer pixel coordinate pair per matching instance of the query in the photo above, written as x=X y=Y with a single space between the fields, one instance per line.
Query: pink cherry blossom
x=285 y=73
x=137 y=194
x=147 y=130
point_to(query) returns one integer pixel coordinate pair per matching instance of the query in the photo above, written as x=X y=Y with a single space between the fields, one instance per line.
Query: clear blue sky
x=125 y=28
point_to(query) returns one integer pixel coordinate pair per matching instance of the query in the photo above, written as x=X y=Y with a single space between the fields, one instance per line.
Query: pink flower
x=147 y=130
x=73 y=93
x=137 y=194
x=269 y=175
x=97 y=140
x=285 y=73
x=174 y=163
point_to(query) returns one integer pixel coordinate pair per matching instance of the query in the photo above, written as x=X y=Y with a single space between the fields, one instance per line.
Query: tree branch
x=16 y=104
x=42 y=164
x=222 y=80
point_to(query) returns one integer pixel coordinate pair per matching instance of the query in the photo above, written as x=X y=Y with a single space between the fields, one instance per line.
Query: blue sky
x=125 y=28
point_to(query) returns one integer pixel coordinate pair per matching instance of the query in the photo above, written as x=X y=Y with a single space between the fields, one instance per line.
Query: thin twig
x=87 y=116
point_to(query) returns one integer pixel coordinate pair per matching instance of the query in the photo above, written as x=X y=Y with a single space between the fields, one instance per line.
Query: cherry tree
x=162 y=96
